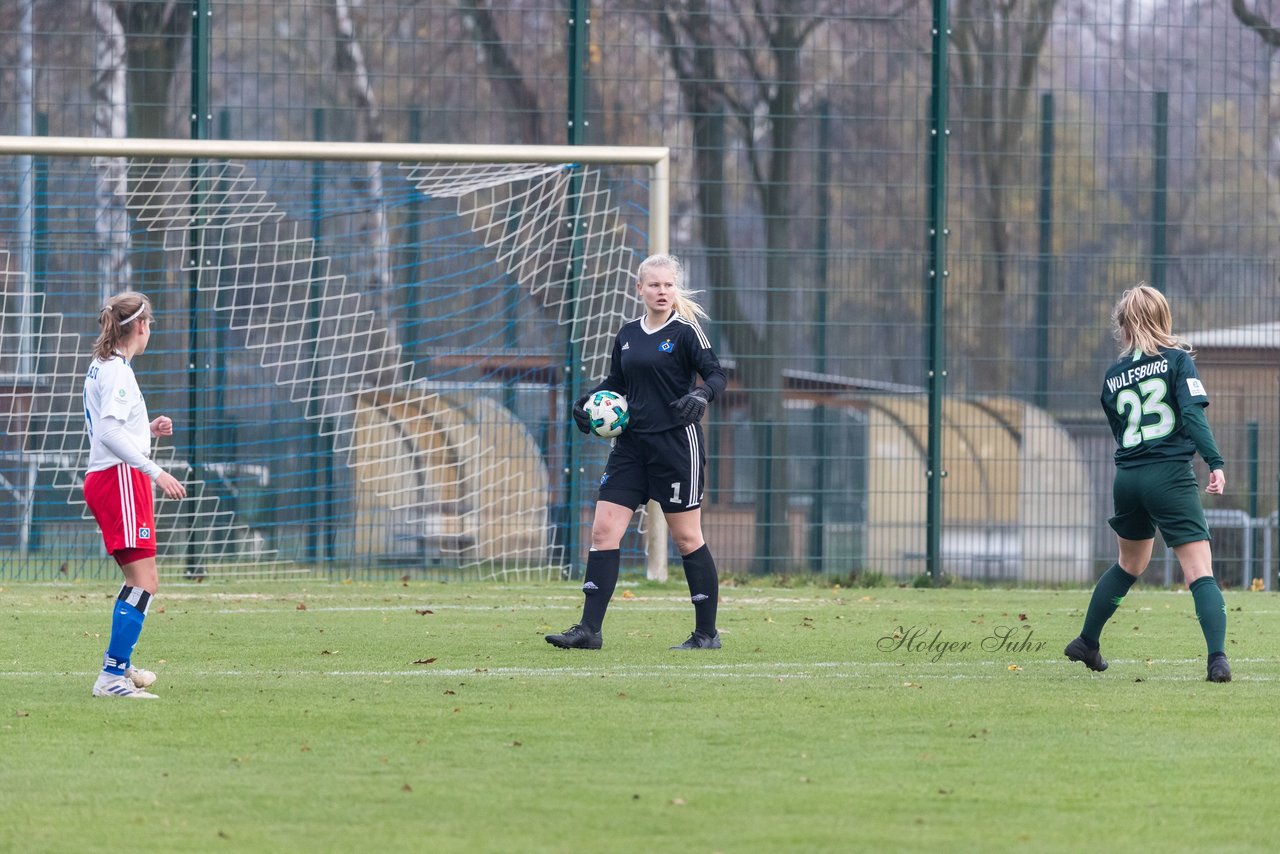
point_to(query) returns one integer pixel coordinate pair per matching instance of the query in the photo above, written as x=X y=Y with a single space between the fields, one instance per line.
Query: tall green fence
x=915 y=325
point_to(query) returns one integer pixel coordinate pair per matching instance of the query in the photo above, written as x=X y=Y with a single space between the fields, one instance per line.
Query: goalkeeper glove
x=691 y=407
x=580 y=416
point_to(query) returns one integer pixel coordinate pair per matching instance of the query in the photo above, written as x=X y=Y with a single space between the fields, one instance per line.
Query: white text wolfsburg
x=1136 y=374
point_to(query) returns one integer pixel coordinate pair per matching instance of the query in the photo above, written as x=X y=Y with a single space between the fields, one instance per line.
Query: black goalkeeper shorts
x=666 y=467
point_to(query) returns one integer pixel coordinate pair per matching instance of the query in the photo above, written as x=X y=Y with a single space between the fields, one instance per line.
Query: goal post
x=401 y=299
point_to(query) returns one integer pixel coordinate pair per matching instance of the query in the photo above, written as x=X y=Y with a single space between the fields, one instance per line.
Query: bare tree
x=738 y=64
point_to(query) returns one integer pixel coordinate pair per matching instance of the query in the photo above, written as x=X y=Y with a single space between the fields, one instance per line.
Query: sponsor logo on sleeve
x=1196 y=388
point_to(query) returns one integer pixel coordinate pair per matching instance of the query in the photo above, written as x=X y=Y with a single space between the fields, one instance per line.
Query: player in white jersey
x=117 y=486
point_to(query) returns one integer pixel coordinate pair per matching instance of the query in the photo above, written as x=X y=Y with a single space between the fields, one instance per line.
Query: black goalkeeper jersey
x=1144 y=396
x=654 y=368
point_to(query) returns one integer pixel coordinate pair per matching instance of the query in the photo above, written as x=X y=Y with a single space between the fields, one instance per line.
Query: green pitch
x=432 y=717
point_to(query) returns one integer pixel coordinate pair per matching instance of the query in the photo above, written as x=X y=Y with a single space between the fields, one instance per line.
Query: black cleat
x=1219 y=670
x=698 y=640
x=576 y=637
x=1078 y=650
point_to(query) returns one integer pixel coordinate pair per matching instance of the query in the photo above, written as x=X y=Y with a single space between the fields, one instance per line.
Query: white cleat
x=140 y=678
x=111 y=685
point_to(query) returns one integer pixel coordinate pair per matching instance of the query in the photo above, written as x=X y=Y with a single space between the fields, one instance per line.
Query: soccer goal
x=367 y=349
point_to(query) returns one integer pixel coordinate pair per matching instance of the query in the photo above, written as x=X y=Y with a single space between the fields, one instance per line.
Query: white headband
x=131 y=318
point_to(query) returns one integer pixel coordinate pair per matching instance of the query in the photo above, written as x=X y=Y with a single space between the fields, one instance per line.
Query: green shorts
x=1159 y=495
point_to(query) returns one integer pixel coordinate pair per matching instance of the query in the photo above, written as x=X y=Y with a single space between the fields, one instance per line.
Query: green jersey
x=1145 y=397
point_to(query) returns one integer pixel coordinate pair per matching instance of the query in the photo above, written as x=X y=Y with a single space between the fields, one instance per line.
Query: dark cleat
x=699 y=640
x=1078 y=650
x=1219 y=670
x=576 y=637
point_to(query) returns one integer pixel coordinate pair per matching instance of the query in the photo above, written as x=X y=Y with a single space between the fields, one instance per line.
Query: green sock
x=1107 y=596
x=1211 y=611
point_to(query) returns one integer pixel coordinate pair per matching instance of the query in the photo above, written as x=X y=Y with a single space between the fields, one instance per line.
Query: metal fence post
x=935 y=284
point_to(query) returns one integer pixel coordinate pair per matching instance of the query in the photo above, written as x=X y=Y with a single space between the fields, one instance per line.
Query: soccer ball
x=608 y=413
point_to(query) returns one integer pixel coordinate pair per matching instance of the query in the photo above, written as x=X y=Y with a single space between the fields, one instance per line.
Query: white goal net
x=366 y=349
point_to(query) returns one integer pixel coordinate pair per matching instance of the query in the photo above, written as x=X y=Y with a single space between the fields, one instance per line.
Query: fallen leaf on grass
x=22 y=713
x=423 y=611
x=627 y=594
x=677 y=802
x=1014 y=667
x=423 y=661
x=1022 y=617
x=302 y=606
x=406 y=788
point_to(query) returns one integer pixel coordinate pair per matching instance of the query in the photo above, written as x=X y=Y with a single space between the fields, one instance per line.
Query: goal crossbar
x=658 y=158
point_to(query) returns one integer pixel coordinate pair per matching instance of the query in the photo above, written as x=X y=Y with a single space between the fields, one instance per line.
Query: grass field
x=313 y=716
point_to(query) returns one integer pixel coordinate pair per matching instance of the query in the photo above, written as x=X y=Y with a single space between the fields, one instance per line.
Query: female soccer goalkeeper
x=117 y=487
x=1155 y=402
x=657 y=359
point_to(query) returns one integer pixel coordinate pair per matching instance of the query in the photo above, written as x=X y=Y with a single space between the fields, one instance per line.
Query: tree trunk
x=775 y=207
x=110 y=120
x=351 y=62
x=522 y=101
x=155 y=34
x=1266 y=30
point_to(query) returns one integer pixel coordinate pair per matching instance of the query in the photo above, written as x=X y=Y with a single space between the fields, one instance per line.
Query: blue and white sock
x=130 y=610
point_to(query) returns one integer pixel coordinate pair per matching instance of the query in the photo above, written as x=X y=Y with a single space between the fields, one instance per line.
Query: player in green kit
x=1155 y=402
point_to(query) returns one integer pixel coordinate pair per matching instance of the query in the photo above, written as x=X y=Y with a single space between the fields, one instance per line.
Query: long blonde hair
x=683 y=301
x=1142 y=321
x=118 y=318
